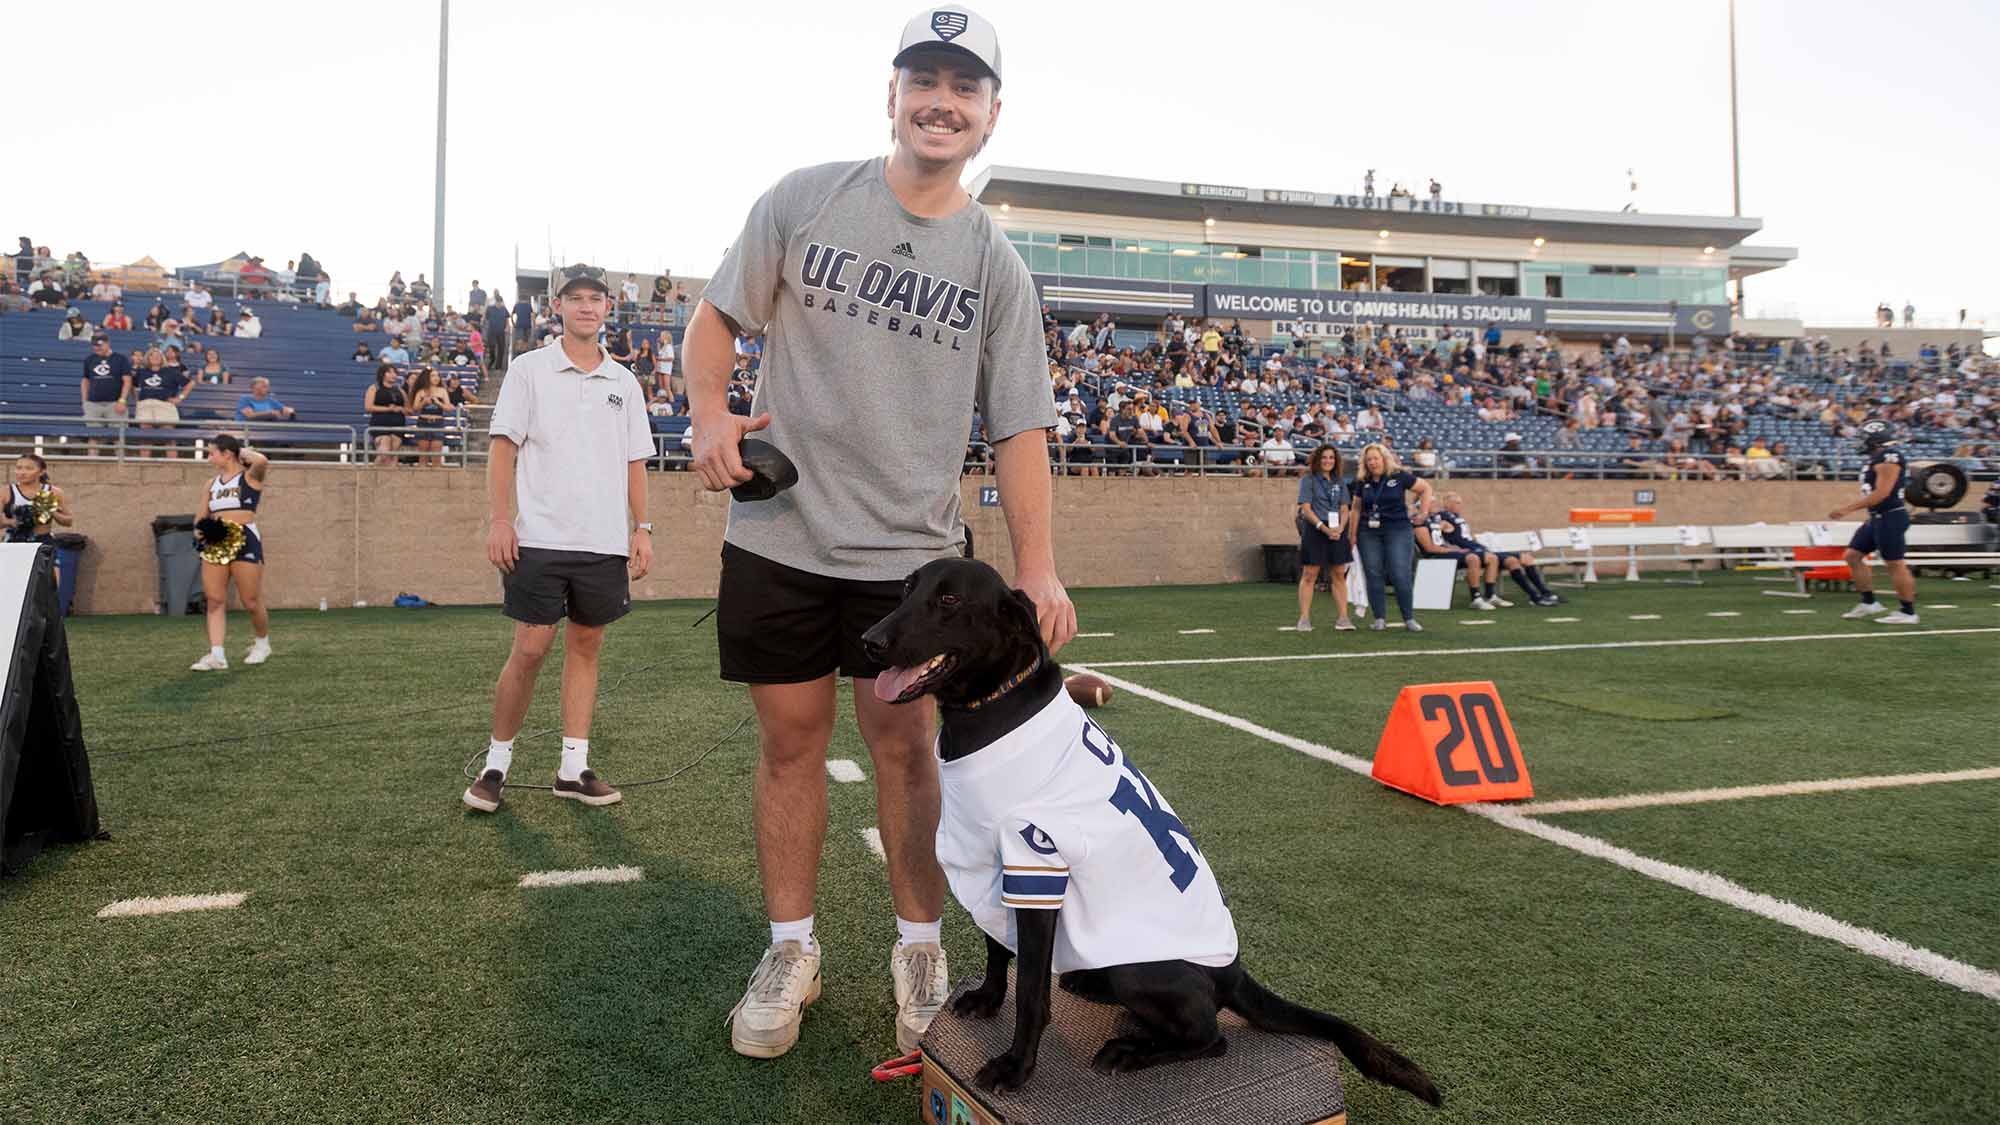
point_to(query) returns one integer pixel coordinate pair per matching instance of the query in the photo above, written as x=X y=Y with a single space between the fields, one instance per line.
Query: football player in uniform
x=1436 y=537
x=1453 y=535
x=1883 y=533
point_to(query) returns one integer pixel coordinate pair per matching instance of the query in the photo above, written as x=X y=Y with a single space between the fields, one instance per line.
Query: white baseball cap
x=952 y=28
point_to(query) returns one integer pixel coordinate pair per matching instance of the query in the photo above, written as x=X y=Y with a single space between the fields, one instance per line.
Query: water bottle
x=322 y=605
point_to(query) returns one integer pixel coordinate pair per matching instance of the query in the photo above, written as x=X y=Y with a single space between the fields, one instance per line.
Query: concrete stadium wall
x=350 y=534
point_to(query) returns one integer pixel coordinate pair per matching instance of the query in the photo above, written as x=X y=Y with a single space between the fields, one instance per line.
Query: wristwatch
x=645 y=527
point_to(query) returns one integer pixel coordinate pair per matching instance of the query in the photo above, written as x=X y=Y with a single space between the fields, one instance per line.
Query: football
x=1088 y=690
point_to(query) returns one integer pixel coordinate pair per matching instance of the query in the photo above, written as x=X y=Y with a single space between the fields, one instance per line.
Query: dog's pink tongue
x=893 y=682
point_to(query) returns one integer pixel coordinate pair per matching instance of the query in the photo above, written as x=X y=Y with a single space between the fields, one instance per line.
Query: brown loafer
x=588 y=788
x=484 y=795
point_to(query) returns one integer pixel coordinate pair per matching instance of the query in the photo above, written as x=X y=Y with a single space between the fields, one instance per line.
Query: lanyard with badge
x=1371 y=493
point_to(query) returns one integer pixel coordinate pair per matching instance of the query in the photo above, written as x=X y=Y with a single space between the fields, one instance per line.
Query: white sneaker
x=1305 y=625
x=260 y=651
x=1481 y=603
x=210 y=663
x=1410 y=625
x=1864 y=609
x=1498 y=602
x=922 y=984
x=1343 y=625
x=765 y=1023
x=1897 y=618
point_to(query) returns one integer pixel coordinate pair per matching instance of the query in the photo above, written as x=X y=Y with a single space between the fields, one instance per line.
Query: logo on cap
x=948 y=25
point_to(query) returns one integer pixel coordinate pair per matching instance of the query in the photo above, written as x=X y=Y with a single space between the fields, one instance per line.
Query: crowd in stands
x=1714 y=409
x=1187 y=393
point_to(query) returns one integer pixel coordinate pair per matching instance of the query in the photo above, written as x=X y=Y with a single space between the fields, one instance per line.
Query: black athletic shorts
x=776 y=624
x=547 y=586
x=1319 y=549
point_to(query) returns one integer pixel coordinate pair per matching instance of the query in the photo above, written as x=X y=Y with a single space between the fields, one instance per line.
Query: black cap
x=100 y=338
x=580 y=274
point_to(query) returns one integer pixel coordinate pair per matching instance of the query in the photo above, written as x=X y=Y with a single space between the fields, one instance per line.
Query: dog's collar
x=1010 y=685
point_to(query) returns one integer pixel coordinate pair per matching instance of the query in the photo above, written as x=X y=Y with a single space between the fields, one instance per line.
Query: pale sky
x=636 y=134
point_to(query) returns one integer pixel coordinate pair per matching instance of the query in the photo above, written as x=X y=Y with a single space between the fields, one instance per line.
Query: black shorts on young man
x=777 y=624
x=547 y=586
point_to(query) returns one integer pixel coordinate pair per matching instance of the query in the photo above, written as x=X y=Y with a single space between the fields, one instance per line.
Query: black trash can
x=1281 y=562
x=180 y=566
x=69 y=556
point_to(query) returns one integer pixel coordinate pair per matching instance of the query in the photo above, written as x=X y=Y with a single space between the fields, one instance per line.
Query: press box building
x=1317 y=263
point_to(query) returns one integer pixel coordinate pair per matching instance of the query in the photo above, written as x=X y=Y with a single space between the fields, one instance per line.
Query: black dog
x=962 y=636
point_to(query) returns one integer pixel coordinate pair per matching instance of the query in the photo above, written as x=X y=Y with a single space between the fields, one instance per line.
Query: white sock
x=216 y=651
x=261 y=642
x=575 y=755
x=915 y=933
x=800 y=931
x=499 y=755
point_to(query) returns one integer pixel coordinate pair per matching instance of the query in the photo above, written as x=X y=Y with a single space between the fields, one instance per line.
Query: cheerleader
x=231 y=550
x=35 y=508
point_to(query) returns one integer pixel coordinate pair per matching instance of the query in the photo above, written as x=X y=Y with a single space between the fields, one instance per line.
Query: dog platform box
x=1264 y=1079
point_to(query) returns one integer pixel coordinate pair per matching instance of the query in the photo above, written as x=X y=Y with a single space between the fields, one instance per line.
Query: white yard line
x=1082 y=636
x=845 y=770
x=1563 y=620
x=582 y=875
x=1643 y=617
x=1745 y=792
x=1406 y=653
x=1958 y=974
x=1798 y=612
x=1477 y=621
x=172 y=904
x=1940 y=605
x=1725 y=613
x=1195 y=632
x=873 y=838
x=1971 y=978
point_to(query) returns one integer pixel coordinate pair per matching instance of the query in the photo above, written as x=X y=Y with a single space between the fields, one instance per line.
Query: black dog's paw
x=978 y=1004
x=1121 y=1055
x=1004 y=1073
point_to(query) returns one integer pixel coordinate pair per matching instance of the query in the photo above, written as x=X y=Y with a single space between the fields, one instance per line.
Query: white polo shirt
x=577 y=431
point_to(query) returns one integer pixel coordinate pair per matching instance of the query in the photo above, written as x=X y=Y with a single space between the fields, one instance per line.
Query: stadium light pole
x=1737 y=179
x=437 y=235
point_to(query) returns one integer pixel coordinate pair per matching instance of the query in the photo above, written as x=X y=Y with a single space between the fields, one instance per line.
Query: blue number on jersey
x=1142 y=802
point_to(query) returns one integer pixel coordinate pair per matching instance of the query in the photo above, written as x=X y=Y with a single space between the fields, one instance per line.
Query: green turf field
x=386 y=966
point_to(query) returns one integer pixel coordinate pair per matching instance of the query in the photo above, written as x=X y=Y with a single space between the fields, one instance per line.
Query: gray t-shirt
x=882 y=331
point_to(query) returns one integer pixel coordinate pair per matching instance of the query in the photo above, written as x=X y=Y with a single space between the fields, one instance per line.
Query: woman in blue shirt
x=1379 y=527
x=1323 y=499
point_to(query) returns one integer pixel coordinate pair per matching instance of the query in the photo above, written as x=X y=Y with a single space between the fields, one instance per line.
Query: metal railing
x=461 y=444
x=68 y=437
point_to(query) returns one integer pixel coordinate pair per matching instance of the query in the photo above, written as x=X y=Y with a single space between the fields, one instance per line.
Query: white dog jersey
x=1054 y=815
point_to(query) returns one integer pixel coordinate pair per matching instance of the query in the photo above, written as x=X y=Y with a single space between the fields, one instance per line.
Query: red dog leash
x=903 y=1066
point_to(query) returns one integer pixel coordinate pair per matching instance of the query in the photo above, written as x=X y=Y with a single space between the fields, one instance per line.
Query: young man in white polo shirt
x=889 y=305
x=573 y=422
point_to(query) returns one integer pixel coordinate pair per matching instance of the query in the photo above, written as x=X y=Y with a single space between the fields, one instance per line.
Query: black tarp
x=45 y=790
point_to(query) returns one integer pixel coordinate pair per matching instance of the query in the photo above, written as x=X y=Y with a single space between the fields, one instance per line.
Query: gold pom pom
x=223 y=549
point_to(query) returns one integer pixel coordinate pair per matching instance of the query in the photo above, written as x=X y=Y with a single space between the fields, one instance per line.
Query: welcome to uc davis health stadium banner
x=1458 y=311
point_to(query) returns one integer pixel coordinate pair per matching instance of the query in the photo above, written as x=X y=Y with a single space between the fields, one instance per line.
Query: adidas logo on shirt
x=903 y=249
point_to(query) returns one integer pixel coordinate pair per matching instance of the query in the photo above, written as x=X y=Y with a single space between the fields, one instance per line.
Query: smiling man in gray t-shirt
x=890 y=306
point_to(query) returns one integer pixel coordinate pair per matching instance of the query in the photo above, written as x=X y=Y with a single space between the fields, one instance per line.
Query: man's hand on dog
x=1054 y=612
x=716 y=438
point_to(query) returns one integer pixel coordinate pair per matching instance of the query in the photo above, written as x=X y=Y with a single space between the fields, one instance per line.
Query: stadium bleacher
x=307 y=354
